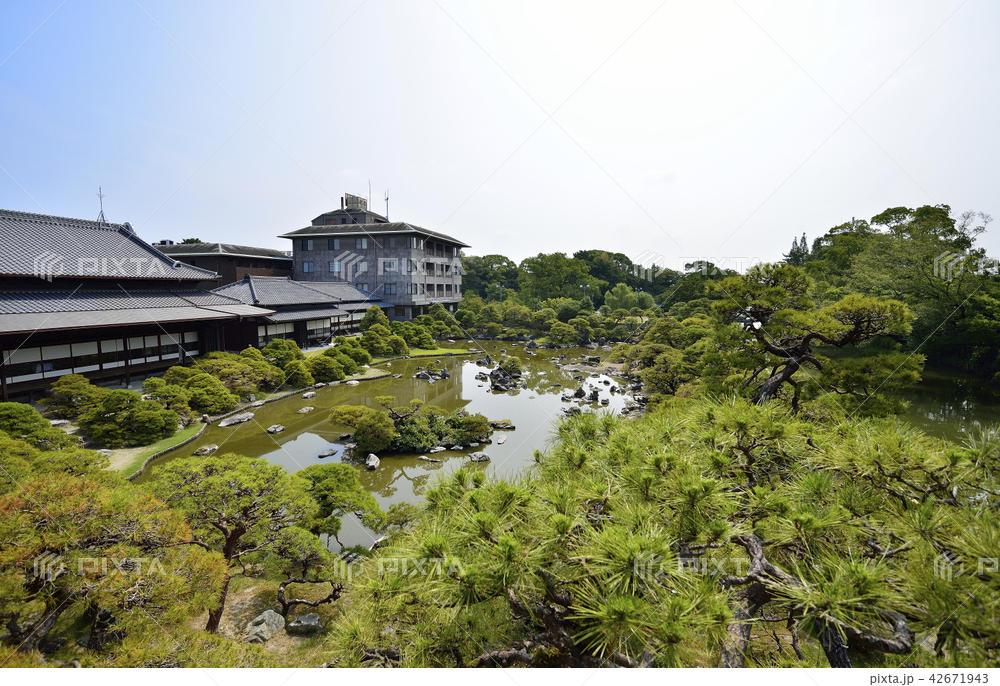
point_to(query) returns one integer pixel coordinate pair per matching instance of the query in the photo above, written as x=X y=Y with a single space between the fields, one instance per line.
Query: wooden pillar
x=3 y=377
x=128 y=360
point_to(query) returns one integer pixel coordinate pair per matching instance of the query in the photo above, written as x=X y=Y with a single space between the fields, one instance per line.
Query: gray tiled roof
x=369 y=230
x=20 y=302
x=281 y=290
x=22 y=311
x=299 y=315
x=206 y=249
x=40 y=244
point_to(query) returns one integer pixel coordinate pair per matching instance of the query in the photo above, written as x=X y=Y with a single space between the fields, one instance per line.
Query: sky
x=666 y=130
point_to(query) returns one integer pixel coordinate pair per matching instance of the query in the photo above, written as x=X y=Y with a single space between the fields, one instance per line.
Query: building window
x=423 y=289
x=389 y=265
x=361 y=243
x=85 y=357
x=271 y=331
x=112 y=353
x=307 y=267
x=317 y=330
x=170 y=346
x=56 y=360
x=307 y=244
x=335 y=267
x=361 y=286
x=390 y=289
x=191 y=347
x=24 y=364
x=333 y=244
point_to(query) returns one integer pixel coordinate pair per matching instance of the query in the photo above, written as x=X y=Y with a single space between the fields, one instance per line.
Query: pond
x=533 y=411
x=949 y=404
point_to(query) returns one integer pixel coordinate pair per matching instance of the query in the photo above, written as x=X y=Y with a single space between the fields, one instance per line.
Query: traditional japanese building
x=230 y=262
x=92 y=297
x=310 y=313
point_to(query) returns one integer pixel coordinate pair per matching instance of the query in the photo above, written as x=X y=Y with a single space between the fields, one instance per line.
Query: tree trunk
x=734 y=646
x=215 y=614
x=41 y=629
x=834 y=647
x=737 y=638
x=769 y=389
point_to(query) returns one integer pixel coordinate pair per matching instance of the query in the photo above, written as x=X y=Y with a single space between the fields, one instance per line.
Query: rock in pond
x=305 y=410
x=437 y=449
x=424 y=458
x=352 y=382
x=372 y=462
x=479 y=457
x=502 y=425
x=327 y=453
x=458 y=447
x=206 y=450
x=309 y=394
x=257 y=403
x=264 y=626
x=237 y=419
x=275 y=429
x=306 y=625
x=501 y=440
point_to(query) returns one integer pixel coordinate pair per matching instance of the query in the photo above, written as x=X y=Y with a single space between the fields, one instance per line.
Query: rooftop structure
x=232 y=262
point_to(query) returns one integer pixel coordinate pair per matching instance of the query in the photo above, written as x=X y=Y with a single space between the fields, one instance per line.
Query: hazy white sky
x=679 y=129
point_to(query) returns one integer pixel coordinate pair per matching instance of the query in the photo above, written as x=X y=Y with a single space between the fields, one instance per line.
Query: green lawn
x=429 y=352
x=414 y=352
x=424 y=352
x=150 y=450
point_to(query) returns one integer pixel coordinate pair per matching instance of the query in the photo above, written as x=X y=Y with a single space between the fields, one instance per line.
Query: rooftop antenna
x=386 y=203
x=100 y=200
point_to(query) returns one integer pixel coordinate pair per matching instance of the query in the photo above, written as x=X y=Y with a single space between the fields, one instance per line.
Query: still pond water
x=942 y=405
x=404 y=478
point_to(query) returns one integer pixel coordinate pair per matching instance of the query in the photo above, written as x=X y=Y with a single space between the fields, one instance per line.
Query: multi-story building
x=405 y=266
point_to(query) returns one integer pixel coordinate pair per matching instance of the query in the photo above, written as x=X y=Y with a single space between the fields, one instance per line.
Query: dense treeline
x=923 y=257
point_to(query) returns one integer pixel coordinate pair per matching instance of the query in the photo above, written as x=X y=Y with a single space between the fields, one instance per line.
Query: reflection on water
x=404 y=478
x=950 y=405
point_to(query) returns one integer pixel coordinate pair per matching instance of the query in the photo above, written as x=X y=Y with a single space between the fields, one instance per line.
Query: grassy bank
x=130 y=460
